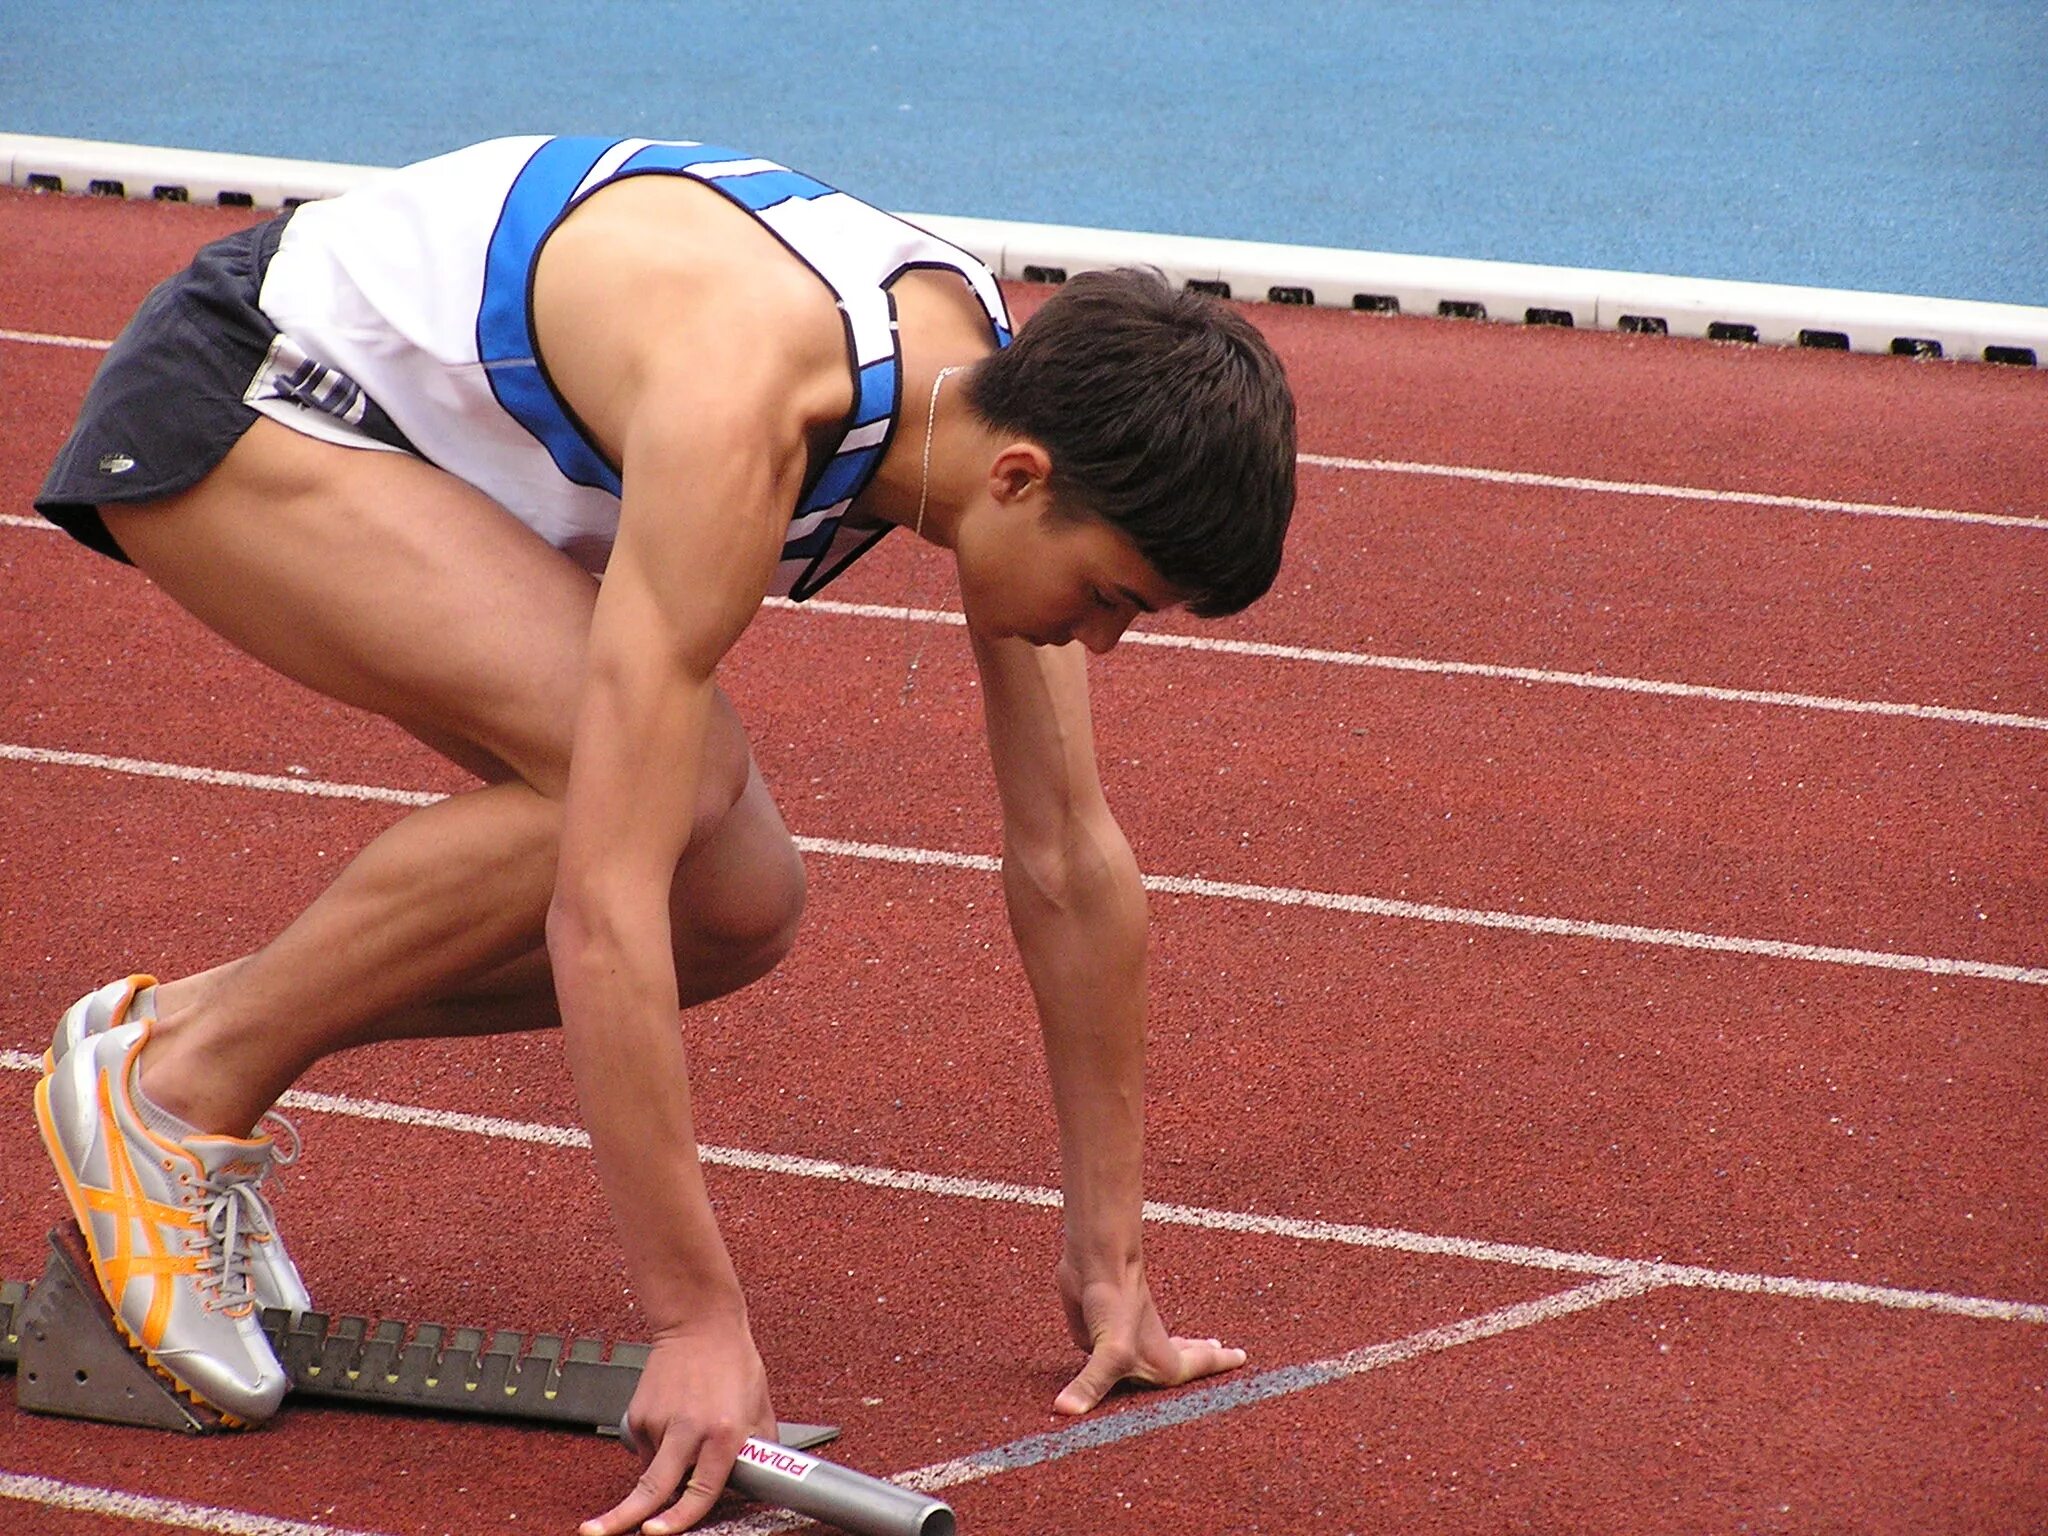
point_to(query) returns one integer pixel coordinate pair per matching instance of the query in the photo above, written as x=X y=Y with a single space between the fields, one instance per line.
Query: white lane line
x=1228 y=1395
x=1613 y=933
x=277 y=783
x=1315 y=655
x=113 y=1504
x=1671 y=492
x=1241 y=1223
x=1172 y=885
x=1491 y=476
x=39 y=339
x=1644 y=685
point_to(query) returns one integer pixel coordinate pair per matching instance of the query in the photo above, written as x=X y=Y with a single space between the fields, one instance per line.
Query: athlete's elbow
x=568 y=930
x=582 y=927
x=1077 y=871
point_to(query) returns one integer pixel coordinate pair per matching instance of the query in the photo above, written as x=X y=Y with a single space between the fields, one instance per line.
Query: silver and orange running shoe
x=272 y=1275
x=118 y=1002
x=169 y=1219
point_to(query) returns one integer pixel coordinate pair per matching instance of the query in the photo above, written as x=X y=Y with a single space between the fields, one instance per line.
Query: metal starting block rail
x=70 y=1361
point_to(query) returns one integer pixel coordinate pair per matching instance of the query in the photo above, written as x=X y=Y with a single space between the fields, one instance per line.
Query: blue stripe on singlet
x=504 y=338
x=764 y=189
x=752 y=189
x=877 y=392
x=850 y=470
x=845 y=477
x=673 y=157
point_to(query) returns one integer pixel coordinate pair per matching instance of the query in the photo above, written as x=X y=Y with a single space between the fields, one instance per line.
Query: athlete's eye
x=1103 y=599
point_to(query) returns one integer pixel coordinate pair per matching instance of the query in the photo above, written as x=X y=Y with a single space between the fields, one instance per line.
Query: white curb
x=1371 y=281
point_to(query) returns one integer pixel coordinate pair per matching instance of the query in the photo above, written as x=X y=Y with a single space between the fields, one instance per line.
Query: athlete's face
x=1048 y=577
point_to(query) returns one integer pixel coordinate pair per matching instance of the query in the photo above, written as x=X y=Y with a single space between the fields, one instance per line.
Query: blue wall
x=1846 y=143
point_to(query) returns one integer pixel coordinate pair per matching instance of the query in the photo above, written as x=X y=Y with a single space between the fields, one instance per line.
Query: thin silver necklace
x=924 y=486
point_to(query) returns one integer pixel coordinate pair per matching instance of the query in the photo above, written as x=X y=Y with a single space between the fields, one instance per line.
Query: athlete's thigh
x=383 y=582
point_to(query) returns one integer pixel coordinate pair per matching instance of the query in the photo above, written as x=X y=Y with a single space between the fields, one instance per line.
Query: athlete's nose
x=1102 y=635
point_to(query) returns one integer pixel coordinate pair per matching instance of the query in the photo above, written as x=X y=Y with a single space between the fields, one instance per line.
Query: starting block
x=70 y=1361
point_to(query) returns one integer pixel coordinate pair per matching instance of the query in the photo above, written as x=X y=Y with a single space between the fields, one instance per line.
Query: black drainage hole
x=1915 y=346
x=2022 y=356
x=1290 y=296
x=1044 y=274
x=1376 y=303
x=1209 y=285
x=1561 y=317
x=1730 y=330
x=1461 y=309
x=1827 y=341
x=1646 y=325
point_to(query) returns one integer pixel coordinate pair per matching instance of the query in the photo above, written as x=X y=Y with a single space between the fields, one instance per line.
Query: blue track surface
x=1846 y=143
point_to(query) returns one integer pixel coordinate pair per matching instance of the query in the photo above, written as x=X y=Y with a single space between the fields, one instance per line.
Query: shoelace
x=283 y=1132
x=237 y=1213
x=234 y=1209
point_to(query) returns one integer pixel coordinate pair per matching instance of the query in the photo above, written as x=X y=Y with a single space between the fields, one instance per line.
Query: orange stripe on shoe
x=132 y=1209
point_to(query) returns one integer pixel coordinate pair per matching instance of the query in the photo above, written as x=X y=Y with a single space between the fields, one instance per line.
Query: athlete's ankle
x=189 y=1086
x=174 y=999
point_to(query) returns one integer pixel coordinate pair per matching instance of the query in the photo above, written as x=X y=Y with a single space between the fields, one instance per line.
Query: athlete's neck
x=940 y=325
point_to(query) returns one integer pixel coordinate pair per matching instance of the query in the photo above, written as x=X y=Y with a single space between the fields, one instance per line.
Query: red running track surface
x=1787 y=1036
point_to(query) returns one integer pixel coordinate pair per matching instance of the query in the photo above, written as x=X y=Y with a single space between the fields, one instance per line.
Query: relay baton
x=823 y=1490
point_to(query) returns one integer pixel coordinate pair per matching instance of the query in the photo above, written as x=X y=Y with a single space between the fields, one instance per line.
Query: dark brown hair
x=1167 y=415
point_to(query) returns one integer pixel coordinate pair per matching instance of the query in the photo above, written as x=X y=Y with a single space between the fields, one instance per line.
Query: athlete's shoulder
x=663 y=240
x=658 y=287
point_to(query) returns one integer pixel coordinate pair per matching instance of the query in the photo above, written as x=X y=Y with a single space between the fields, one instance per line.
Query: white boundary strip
x=1606 y=682
x=1429 y=285
x=1173 y=885
x=1516 y=477
x=1237 y=1223
x=1674 y=492
x=44 y=339
x=112 y=1504
x=1227 y=1395
x=1266 y=650
x=1609 y=682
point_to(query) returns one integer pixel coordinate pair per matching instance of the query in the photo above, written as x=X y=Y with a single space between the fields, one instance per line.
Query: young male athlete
x=384 y=443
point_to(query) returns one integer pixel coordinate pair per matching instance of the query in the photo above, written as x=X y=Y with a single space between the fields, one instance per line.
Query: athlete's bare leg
x=385 y=583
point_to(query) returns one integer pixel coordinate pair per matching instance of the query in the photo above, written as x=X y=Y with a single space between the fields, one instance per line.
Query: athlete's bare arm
x=1077 y=910
x=704 y=360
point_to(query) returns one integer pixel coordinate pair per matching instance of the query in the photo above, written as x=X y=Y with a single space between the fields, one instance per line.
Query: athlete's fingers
x=657 y=1481
x=1201 y=1357
x=1186 y=1360
x=715 y=1458
x=1105 y=1368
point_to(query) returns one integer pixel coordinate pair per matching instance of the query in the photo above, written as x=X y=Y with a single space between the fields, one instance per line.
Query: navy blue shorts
x=166 y=404
x=171 y=396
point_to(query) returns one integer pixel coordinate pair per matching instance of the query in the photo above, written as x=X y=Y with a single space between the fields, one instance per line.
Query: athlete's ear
x=1021 y=470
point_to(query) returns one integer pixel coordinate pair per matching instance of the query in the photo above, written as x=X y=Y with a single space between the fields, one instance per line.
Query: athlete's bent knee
x=724 y=945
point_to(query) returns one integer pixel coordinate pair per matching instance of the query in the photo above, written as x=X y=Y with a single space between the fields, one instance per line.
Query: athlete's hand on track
x=1113 y=1318
x=701 y=1394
